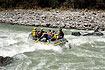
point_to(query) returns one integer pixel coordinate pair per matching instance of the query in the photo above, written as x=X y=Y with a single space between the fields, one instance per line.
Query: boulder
x=94 y=33
x=98 y=34
x=5 y=60
x=76 y=33
x=88 y=34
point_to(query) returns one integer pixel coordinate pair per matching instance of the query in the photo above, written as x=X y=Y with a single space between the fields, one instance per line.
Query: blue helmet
x=53 y=30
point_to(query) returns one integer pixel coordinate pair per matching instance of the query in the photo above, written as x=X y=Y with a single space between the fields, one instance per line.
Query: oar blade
x=48 y=43
x=37 y=41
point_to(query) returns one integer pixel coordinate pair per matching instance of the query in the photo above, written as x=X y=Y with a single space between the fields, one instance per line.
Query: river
x=86 y=52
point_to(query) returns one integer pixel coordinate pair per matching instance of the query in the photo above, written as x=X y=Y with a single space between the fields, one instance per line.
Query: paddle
x=59 y=43
x=37 y=41
x=48 y=42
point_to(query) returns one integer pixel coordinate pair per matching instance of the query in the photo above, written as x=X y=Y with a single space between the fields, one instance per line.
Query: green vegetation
x=80 y=4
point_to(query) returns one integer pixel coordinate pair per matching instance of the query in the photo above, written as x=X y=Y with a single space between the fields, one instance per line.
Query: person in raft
x=34 y=33
x=51 y=35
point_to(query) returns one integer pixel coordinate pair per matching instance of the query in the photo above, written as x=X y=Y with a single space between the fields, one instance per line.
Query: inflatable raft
x=59 y=42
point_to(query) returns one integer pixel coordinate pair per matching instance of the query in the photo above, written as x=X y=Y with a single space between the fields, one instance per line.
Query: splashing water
x=86 y=53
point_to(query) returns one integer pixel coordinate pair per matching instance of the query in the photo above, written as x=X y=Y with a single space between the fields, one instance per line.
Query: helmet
x=53 y=30
x=60 y=29
x=44 y=30
x=35 y=28
x=49 y=30
x=41 y=28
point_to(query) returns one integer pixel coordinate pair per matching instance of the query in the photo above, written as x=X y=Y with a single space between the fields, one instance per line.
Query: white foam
x=23 y=44
x=41 y=46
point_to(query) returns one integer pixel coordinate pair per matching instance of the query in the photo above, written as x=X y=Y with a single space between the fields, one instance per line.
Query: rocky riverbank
x=65 y=19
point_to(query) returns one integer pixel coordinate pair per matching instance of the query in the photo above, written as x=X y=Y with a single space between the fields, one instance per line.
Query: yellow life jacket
x=33 y=32
x=55 y=36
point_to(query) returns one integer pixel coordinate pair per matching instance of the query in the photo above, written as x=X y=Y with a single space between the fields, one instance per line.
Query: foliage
x=90 y=4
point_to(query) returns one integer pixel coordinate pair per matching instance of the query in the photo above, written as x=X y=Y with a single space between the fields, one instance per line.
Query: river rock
x=76 y=33
x=94 y=34
x=5 y=60
x=61 y=18
x=87 y=34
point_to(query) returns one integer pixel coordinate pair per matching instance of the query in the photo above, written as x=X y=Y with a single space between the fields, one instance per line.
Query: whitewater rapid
x=86 y=52
x=14 y=42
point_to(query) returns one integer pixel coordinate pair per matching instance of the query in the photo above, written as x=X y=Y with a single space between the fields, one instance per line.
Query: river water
x=86 y=52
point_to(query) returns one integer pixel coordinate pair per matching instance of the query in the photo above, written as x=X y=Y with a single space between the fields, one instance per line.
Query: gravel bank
x=64 y=19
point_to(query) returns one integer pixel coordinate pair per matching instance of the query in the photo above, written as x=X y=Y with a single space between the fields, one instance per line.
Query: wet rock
x=94 y=34
x=98 y=34
x=5 y=60
x=88 y=34
x=76 y=33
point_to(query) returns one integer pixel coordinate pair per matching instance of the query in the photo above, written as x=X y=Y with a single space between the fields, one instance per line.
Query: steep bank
x=65 y=19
